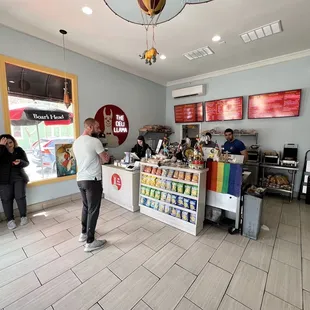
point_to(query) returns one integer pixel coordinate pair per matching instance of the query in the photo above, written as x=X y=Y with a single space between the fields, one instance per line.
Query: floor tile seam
x=241 y=260
x=240 y=301
x=75 y=217
x=282 y=299
x=286 y=264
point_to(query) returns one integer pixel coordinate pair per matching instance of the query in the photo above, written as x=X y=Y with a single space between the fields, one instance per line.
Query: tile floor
x=147 y=265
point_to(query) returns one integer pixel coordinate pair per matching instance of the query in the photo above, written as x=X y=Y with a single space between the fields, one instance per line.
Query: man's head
x=208 y=136
x=229 y=134
x=92 y=127
x=141 y=140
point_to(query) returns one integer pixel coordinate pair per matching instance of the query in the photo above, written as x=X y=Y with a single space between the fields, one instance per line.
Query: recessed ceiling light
x=87 y=10
x=216 y=38
x=12 y=82
x=162 y=56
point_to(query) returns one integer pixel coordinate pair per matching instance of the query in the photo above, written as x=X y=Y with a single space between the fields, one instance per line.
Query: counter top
x=121 y=169
x=279 y=167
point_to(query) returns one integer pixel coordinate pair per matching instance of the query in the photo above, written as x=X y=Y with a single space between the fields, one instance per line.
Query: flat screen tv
x=274 y=105
x=188 y=113
x=224 y=109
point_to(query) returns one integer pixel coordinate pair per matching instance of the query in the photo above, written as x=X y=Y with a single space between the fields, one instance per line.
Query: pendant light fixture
x=66 y=92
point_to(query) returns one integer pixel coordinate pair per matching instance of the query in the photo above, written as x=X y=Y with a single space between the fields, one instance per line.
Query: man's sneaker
x=11 y=225
x=95 y=245
x=23 y=221
x=83 y=237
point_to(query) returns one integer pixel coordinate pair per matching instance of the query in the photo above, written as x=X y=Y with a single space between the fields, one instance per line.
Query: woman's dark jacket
x=141 y=150
x=6 y=164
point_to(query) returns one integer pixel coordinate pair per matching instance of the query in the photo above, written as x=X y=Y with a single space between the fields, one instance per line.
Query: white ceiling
x=107 y=38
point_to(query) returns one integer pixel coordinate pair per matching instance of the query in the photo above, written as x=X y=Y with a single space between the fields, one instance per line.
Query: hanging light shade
x=161 y=10
x=66 y=100
x=151 y=7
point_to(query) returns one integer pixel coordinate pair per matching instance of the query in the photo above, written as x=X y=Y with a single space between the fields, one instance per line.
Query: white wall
x=273 y=133
x=98 y=84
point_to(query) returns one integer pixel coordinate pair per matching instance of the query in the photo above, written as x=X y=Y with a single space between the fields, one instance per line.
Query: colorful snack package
x=180 y=188
x=180 y=202
x=173 y=212
x=187 y=190
x=152 y=193
x=148 y=169
x=156 y=207
x=152 y=181
x=148 y=203
x=181 y=175
x=142 y=201
x=142 y=190
x=192 y=204
x=178 y=215
x=145 y=169
x=174 y=199
x=168 y=185
x=169 y=198
x=186 y=203
x=195 y=178
x=164 y=173
x=185 y=216
x=192 y=218
x=147 y=191
x=163 y=184
x=157 y=195
x=153 y=204
x=170 y=174
x=174 y=186
x=159 y=172
x=194 y=192
x=163 y=196
x=167 y=209
x=154 y=170
x=176 y=174
x=161 y=207
x=188 y=177
x=158 y=183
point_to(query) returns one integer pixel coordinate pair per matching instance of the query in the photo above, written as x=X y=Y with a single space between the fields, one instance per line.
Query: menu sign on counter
x=188 y=113
x=224 y=109
x=279 y=104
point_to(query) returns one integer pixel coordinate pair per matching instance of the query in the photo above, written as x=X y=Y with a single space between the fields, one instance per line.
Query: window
x=35 y=114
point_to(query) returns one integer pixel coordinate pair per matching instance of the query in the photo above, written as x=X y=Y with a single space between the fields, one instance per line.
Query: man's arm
x=245 y=154
x=104 y=156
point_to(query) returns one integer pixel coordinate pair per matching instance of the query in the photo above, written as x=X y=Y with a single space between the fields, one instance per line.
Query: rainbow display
x=224 y=178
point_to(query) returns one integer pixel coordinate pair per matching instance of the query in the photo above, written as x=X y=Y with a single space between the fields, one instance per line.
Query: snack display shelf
x=170 y=192
x=171 y=179
x=188 y=227
x=169 y=204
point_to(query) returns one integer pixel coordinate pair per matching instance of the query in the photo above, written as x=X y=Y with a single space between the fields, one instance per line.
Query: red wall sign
x=116 y=181
x=114 y=124
x=188 y=113
x=224 y=109
x=280 y=104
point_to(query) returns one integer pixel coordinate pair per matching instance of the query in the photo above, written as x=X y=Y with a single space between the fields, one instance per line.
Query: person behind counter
x=208 y=141
x=234 y=146
x=141 y=147
x=13 y=179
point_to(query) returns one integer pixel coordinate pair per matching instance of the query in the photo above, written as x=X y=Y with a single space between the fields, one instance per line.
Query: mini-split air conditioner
x=198 y=90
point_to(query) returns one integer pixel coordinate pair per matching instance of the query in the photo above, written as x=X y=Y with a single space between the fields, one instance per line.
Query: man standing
x=234 y=146
x=89 y=154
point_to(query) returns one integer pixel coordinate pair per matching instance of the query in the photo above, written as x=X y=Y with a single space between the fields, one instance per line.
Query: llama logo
x=108 y=129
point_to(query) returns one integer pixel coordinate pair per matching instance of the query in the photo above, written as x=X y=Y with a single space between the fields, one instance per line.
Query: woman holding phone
x=13 y=179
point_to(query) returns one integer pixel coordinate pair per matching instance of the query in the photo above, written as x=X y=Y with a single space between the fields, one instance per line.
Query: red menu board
x=224 y=109
x=188 y=113
x=280 y=104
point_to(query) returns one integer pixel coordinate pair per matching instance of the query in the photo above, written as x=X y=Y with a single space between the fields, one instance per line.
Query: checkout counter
x=121 y=185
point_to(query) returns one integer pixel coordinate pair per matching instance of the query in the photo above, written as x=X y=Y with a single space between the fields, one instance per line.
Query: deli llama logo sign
x=114 y=124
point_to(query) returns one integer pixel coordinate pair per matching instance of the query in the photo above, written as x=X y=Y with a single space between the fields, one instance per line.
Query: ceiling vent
x=198 y=90
x=262 y=32
x=199 y=53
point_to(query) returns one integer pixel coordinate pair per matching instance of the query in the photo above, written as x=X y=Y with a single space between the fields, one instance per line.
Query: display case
x=175 y=196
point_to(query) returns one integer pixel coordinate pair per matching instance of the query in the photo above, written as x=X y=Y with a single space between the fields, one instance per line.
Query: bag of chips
x=174 y=199
x=161 y=207
x=195 y=178
x=170 y=174
x=156 y=206
x=154 y=170
x=148 y=203
x=180 y=202
x=187 y=190
x=169 y=198
x=163 y=196
x=157 y=195
x=176 y=174
x=180 y=188
x=192 y=218
x=147 y=191
x=174 y=186
x=178 y=215
x=167 y=209
x=143 y=200
x=173 y=212
x=152 y=193
x=186 y=203
x=158 y=183
x=168 y=185
x=142 y=190
x=153 y=203
x=192 y=204
x=181 y=175
x=159 y=171
x=185 y=216
x=194 y=192
x=188 y=177
x=164 y=173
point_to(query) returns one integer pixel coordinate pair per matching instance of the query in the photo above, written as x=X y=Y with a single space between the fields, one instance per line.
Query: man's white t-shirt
x=86 y=150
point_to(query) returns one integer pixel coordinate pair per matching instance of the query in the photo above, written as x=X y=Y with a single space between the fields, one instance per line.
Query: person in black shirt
x=13 y=179
x=141 y=147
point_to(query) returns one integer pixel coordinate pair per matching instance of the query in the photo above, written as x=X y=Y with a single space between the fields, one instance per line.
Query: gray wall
x=273 y=133
x=98 y=84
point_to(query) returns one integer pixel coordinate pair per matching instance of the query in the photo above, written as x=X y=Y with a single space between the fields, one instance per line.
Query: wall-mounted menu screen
x=279 y=104
x=224 y=109
x=188 y=113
